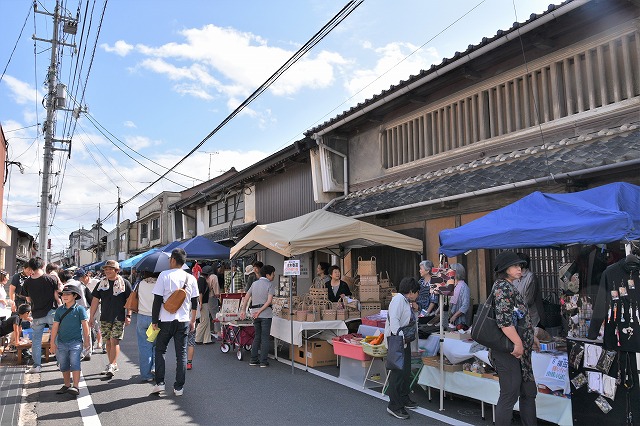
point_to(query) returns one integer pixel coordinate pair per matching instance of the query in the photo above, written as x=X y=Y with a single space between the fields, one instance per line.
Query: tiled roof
x=606 y=147
x=435 y=68
x=237 y=233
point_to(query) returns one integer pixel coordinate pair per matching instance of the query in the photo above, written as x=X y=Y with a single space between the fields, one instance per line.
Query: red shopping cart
x=237 y=335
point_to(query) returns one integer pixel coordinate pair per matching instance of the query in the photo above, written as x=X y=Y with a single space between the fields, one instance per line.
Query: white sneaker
x=157 y=389
x=178 y=392
x=34 y=369
x=111 y=370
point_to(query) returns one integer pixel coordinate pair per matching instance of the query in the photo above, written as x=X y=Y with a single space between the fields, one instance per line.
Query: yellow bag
x=152 y=334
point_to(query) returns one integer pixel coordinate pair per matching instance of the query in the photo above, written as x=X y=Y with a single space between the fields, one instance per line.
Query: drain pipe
x=495 y=189
x=319 y=142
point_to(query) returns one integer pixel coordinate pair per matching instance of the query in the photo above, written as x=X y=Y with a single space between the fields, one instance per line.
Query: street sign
x=291 y=267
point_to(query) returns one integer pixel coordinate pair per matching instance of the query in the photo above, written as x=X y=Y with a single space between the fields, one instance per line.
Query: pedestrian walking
x=111 y=294
x=175 y=325
x=146 y=349
x=41 y=291
x=70 y=329
x=203 y=329
x=261 y=294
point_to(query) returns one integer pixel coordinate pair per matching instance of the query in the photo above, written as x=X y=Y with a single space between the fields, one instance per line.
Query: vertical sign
x=291 y=267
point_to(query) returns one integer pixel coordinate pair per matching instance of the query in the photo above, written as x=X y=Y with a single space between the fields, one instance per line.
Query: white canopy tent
x=320 y=230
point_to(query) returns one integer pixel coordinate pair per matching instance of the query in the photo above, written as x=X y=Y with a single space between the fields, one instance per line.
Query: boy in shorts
x=71 y=328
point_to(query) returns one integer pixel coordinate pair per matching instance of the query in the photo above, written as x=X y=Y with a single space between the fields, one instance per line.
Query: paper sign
x=291 y=267
x=557 y=369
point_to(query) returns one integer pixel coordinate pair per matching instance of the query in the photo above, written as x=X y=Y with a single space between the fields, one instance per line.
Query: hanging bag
x=176 y=299
x=132 y=301
x=395 y=352
x=486 y=331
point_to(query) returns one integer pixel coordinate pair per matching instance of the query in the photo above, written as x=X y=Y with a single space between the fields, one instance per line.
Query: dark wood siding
x=286 y=195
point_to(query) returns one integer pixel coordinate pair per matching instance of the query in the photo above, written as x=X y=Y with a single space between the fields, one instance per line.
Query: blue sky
x=166 y=73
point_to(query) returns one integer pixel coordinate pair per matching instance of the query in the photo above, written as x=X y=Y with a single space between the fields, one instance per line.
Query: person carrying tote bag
x=401 y=323
x=514 y=368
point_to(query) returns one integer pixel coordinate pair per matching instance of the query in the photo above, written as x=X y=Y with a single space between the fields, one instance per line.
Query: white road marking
x=85 y=404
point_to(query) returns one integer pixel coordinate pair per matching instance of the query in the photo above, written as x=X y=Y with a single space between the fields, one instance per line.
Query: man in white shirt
x=173 y=325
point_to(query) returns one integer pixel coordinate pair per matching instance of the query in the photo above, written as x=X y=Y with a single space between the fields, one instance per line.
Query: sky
x=158 y=76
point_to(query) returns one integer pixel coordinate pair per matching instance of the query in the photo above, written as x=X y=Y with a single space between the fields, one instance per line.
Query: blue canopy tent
x=599 y=215
x=172 y=245
x=203 y=248
x=131 y=262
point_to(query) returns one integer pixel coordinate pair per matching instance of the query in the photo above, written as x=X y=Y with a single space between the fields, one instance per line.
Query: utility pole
x=50 y=124
x=118 y=226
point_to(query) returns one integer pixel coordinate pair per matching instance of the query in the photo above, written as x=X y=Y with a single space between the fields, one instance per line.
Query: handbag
x=395 y=352
x=176 y=299
x=132 y=301
x=486 y=331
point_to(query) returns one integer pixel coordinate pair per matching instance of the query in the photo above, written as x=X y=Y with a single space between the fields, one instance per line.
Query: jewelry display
x=575 y=357
x=605 y=361
x=594 y=381
x=609 y=387
x=622 y=313
x=603 y=404
x=591 y=355
x=579 y=381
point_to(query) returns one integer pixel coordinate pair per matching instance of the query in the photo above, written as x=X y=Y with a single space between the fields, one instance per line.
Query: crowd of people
x=88 y=314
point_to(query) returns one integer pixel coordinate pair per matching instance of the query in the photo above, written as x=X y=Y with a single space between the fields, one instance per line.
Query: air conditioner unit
x=144 y=242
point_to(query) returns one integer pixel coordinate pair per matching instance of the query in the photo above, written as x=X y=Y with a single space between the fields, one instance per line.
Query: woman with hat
x=515 y=372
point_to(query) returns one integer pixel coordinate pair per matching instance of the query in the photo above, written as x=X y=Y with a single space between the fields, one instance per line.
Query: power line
x=334 y=22
x=16 y=45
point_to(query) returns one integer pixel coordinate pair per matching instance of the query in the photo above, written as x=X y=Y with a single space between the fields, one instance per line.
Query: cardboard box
x=434 y=361
x=457 y=336
x=319 y=353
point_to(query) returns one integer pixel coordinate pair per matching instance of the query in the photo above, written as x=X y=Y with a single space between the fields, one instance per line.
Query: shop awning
x=599 y=215
x=320 y=230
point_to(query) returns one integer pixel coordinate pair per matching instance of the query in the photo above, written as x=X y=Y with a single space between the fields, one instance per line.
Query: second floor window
x=144 y=231
x=223 y=210
x=155 y=229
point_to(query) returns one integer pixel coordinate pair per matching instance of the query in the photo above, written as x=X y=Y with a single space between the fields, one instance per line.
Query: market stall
x=318 y=230
x=604 y=214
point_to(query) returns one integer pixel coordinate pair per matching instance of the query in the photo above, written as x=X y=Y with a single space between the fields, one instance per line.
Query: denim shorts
x=68 y=355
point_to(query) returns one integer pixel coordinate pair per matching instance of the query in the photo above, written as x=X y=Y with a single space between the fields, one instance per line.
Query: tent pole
x=441 y=302
x=291 y=284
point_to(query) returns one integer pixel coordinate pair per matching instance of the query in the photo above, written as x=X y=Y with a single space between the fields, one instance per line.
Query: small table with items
x=549 y=370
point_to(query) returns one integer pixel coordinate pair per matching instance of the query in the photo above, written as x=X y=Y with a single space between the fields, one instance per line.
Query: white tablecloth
x=457 y=351
x=548 y=407
x=281 y=329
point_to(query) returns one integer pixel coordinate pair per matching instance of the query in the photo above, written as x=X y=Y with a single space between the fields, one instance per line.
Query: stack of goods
x=479 y=368
x=368 y=287
x=347 y=308
x=355 y=346
x=386 y=290
x=376 y=320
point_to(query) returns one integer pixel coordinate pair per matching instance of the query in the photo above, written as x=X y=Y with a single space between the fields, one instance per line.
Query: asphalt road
x=221 y=390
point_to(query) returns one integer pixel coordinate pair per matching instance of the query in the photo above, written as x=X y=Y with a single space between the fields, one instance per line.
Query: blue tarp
x=135 y=259
x=203 y=248
x=172 y=245
x=595 y=216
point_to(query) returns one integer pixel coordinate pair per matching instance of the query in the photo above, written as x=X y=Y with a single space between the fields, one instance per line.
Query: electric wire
x=96 y=123
x=334 y=22
x=16 y=45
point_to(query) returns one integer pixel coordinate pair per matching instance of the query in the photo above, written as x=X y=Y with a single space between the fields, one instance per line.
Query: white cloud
x=23 y=93
x=390 y=68
x=139 y=142
x=120 y=48
x=130 y=124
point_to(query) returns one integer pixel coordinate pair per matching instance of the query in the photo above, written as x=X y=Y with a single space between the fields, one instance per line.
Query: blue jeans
x=37 y=325
x=146 y=349
x=68 y=355
x=178 y=331
x=262 y=327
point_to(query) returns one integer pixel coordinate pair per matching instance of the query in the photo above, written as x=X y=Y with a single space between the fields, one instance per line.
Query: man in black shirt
x=42 y=292
x=15 y=287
